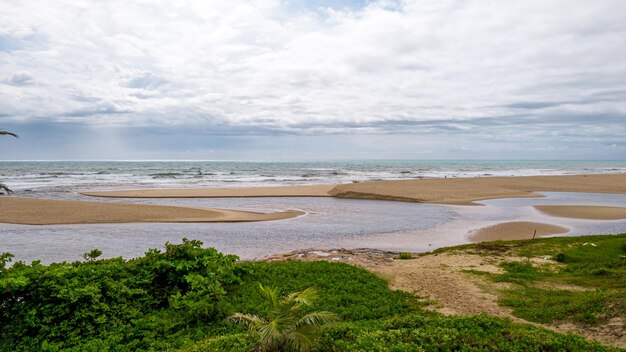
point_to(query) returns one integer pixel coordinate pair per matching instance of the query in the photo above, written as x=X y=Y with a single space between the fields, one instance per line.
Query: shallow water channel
x=328 y=223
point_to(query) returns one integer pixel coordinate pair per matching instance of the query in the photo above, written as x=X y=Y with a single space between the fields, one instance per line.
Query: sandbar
x=32 y=211
x=516 y=230
x=279 y=191
x=459 y=191
x=465 y=191
x=588 y=212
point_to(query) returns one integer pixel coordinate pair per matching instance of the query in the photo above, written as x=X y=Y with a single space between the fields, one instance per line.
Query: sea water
x=328 y=222
x=73 y=175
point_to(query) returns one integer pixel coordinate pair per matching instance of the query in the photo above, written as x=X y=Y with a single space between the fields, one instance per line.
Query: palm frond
x=248 y=320
x=5 y=188
x=284 y=327
x=316 y=319
x=302 y=339
x=6 y=133
x=270 y=294
x=306 y=297
x=270 y=335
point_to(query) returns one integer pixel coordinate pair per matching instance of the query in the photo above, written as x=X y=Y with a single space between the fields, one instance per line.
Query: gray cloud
x=481 y=70
x=145 y=80
x=20 y=78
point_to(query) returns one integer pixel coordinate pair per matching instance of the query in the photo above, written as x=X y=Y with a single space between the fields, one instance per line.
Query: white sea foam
x=76 y=175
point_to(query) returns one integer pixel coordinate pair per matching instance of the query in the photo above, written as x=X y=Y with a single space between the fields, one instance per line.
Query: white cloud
x=266 y=63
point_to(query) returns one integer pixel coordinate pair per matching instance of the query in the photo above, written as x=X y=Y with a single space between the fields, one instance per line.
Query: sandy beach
x=459 y=191
x=583 y=212
x=30 y=211
x=465 y=191
x=516 y=230
x=280 y=191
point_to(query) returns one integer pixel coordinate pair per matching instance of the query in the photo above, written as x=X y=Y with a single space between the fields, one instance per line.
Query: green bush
x=113 y=301
x=405 y=255
x=561 y=257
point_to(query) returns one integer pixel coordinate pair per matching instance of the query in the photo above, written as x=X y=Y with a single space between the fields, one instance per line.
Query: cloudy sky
x=318 y=79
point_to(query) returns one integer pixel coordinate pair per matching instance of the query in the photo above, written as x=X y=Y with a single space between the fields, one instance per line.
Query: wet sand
x=516 y=230
x=460 y=191
x=464 y=191
x=281 y=191
x=586 y=212
x=30 y=211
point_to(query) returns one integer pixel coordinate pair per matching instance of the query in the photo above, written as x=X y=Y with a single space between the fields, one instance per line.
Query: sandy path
x=439 y=278
x=30 y=211
x=515 y=230
x=584 y=212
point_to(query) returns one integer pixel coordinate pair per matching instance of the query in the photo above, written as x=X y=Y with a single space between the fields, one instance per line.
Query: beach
x=29 y=211
x=458 y=191
x=517 y=230
x=447 y=191
x=466 y=191
x=584 y=212
x=239 y=192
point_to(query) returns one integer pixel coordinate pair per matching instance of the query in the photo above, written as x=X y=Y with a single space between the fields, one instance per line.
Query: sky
x=312 y=80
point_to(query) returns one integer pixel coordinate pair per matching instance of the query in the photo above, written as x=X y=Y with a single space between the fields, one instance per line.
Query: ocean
x=79 y=175
x=328 y=222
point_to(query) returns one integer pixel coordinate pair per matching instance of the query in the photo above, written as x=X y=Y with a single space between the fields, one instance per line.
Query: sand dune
x=584 y=212
x=516 y=230
x=30 y=211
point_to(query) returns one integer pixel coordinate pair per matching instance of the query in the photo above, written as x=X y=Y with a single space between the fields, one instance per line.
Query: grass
x=585 y=283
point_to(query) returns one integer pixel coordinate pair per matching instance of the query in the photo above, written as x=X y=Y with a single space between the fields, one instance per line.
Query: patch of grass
x=593 y=263
x=352 y=293
x=545 y=306
x=451 y=333
x=418 y=333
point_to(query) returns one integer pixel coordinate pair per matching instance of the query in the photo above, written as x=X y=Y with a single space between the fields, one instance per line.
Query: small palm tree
x=285 y=329
x=4 y=187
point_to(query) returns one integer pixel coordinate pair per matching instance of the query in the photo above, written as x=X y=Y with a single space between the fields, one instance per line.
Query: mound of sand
x=583 y=212
x=516 y=230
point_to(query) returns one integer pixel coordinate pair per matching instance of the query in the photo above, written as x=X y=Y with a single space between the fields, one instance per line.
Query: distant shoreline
x=456 y=191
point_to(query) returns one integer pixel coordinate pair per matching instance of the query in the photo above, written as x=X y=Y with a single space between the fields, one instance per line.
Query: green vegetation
x=405 y=255
x=585 y=281
x=285 y=329
x=181 y=298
